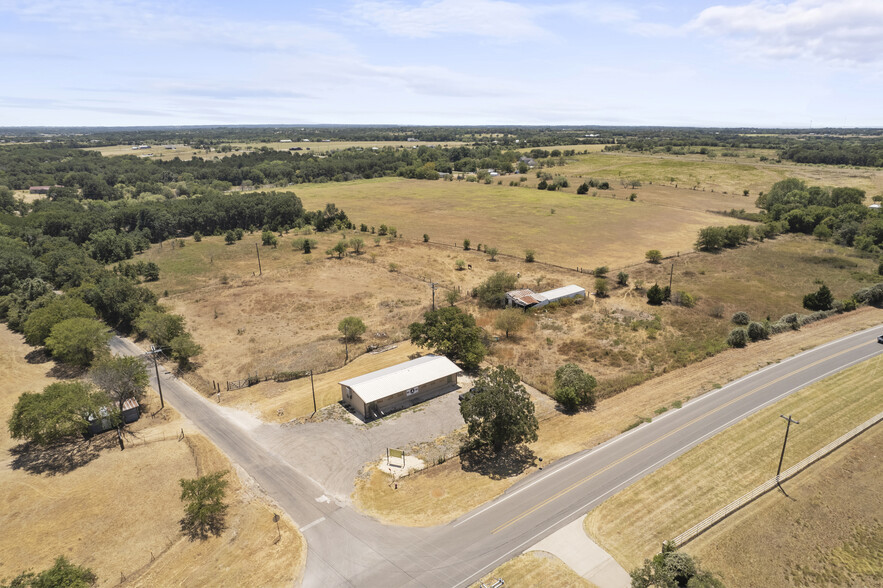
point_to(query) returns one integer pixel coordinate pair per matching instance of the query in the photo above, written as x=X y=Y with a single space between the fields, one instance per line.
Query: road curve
x=349 y=549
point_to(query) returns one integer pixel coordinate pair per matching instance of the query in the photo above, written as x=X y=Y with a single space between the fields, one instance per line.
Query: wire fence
x=715 y=518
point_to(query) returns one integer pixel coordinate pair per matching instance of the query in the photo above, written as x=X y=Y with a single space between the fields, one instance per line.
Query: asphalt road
x=348 y=549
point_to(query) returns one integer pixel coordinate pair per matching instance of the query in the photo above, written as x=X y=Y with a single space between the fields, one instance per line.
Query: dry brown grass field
x=442 y=493
x=718 y=471
x=815 y=537
x=536 y=568
x=562 y=227
x=117 y=512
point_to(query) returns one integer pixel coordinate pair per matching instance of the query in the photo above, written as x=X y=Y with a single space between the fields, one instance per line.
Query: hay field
x=440 y=494
x=583 y=231
x=721 y=174
x=818 y=537
x=718 y=471
x=117 y=512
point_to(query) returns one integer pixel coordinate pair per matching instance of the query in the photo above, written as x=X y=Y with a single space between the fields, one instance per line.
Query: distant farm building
x=379 y=393
x=527 y=298
x=39 y=189
x=103 y=422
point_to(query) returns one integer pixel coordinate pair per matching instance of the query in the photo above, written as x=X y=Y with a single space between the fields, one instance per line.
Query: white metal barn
x=379 y=393
x=527 y=298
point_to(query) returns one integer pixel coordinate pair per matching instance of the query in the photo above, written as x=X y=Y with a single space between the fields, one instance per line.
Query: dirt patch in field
x=536 y=568
x=117 y=512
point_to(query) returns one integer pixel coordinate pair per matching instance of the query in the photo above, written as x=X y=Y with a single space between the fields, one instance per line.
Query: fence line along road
x=712 y=520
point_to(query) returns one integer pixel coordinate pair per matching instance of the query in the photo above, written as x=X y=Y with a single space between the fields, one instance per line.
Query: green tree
x=451 y=297
x=673 y=569
x=62 y=574
x=40 y=322
x=78 y=340
x=357 y=244
x=339 y=249
x=757 y=331
x=452 y=332
x=230 y=238
x=738 y=338
x=622 y=279
x=574 y=388
x=509 y=320
x=425 y=238
x=741 y=318
x=351 y=328
x=121 y=378
x=466 y=244
x=204 y=511
x=499 y=412
x=492 y=292
x=655 y=295
x=460 y=265
x=654 y=256
x=197 y=236
x=160 y=327
x=530 y=255
x=711 y=239
x=601 y=287
x=583 y=188
x=60 y=411
x=151 y=272
x=822 y=299
x=492 y=252
x=183 y=349
x=268 y=238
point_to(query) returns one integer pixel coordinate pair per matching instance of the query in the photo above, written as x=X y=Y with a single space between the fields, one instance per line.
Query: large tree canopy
x=498 y=411
x=60 y=411
x=451 y=332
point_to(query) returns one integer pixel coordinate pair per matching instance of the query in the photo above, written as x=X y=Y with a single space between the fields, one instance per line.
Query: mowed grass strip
x=536 y=568
x=820 y=538
x=633 y=524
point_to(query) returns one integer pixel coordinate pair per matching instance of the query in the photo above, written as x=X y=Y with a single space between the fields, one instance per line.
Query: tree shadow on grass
x=63 y=371
x=498 y=466
x=38 y=356
x=60 y=458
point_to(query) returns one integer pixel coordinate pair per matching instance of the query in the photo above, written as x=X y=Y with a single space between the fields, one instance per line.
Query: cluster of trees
x=716 y=238
x=62 y=574
x=836 y=151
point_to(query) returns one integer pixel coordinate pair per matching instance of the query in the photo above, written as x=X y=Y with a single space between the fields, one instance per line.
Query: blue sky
x=742 y=63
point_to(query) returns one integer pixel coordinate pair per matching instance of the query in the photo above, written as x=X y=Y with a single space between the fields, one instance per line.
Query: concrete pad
x=571 y=545
x=394 y=467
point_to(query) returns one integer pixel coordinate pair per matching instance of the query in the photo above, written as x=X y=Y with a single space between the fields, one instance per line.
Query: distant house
x=527 y=298
x=530 y=161
x=39 y=189
x=103 y=422
x=285 y=140
x=379 y=393
x=875 y=206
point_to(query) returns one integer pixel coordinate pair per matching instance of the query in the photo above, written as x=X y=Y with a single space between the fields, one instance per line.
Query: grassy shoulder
x=819 y=538
x=718 y=471
x=118 y=512
x=442 y=493
x=536 y=568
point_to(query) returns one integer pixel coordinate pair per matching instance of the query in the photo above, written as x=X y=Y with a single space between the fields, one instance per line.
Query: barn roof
x=526 y=296
x=382 y=383
x=564 y=291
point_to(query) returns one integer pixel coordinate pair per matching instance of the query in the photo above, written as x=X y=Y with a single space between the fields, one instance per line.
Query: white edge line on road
x=311 y=525
x=621 y=436
x=625 y=483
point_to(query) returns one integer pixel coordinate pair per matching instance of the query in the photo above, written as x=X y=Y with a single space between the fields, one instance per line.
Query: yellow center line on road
x=669 y=434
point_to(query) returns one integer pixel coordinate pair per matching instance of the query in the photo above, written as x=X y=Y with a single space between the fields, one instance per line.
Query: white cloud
x=146 y=20
x=837 y=31
x=497 y=19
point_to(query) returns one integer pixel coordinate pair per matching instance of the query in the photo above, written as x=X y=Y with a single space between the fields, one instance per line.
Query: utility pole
x=314 y=391
x=434 y=286
x=671 y=275
x=153 y=351
x=346 y=347
x=782 y=457
x=258 y=251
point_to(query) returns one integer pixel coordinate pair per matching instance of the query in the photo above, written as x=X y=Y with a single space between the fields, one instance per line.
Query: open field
x=441 y=494
x=582 y=231
x=186 y=152
x=813 y=538
x=721 y=174
x=536 y=569
x=92 y=506
x=718 y=471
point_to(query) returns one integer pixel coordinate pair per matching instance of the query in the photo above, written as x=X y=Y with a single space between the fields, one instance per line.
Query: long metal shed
x=376 y=394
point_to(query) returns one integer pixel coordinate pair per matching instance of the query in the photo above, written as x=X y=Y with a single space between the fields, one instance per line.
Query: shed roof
x=564 y=291
x=525 y=296
x=382 y=383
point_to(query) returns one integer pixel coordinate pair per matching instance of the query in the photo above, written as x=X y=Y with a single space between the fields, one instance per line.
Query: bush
x=622 y=279
x=601 y=288
x=821 y=299
x=684 y=299
x=574 y=388
x=197 y=236
x=425 y=238
x=466 y=244
x=460 y=265
x=741 y=318
x=583 y=188
x=872 y=296
x=492 y=292
x=757 y=331
x=230 y=238
x=530 y=256
x=738 y=338
x=654 y=256
x=655 y=295
x=600 y=271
